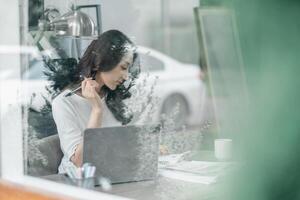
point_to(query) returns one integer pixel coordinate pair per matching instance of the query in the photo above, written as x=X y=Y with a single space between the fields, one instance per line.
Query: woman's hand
x=89 y=90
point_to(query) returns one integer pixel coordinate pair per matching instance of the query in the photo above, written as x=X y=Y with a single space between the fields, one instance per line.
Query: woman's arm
x=89 y=92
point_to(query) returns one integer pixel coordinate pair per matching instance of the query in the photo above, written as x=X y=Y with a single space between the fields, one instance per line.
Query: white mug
x=223 y=149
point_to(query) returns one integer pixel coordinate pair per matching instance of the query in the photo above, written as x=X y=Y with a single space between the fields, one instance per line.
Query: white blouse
x=71 y=115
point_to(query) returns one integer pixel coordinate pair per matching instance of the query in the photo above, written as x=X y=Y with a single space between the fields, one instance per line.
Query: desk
x=161 y=188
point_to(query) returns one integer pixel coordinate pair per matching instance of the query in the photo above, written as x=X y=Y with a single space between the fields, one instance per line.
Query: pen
x=72 y=92
x=76 y=89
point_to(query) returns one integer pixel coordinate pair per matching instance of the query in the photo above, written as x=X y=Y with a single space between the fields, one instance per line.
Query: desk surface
x=160 y=188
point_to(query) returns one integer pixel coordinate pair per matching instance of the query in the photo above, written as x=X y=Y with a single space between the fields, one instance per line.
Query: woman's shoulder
x=60 y=99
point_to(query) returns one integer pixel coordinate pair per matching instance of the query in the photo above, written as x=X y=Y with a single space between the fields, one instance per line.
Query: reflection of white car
x=180 y=90
x=178 y=86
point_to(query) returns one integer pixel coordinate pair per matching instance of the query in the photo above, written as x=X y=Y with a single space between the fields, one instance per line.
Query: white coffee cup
x=223 y=149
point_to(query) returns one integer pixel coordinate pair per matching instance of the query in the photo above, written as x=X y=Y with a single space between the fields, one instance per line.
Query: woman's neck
x=101 y=93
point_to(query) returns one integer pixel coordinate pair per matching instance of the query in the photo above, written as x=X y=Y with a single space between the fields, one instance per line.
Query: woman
x=103 y=68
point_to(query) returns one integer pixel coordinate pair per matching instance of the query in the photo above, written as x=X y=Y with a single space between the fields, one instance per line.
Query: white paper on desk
x=203 y=168
x=171 y=159
x=188 y=177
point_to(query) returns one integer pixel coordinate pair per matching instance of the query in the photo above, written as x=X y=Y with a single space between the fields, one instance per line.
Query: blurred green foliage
x=267 y=140
x=269 y=33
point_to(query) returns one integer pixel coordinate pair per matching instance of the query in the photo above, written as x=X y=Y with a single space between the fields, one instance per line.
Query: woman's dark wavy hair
x=103 y=54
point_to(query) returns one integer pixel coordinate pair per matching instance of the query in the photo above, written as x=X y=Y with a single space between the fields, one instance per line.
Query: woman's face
x=118 y=74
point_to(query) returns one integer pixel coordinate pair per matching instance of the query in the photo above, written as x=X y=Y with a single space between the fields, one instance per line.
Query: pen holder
x=83 y=176
x=85 y=182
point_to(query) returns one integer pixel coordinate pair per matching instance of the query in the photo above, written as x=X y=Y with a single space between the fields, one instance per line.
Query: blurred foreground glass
x=268 y=140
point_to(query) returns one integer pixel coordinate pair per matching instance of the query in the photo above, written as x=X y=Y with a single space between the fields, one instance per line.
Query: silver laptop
x=123 y=154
